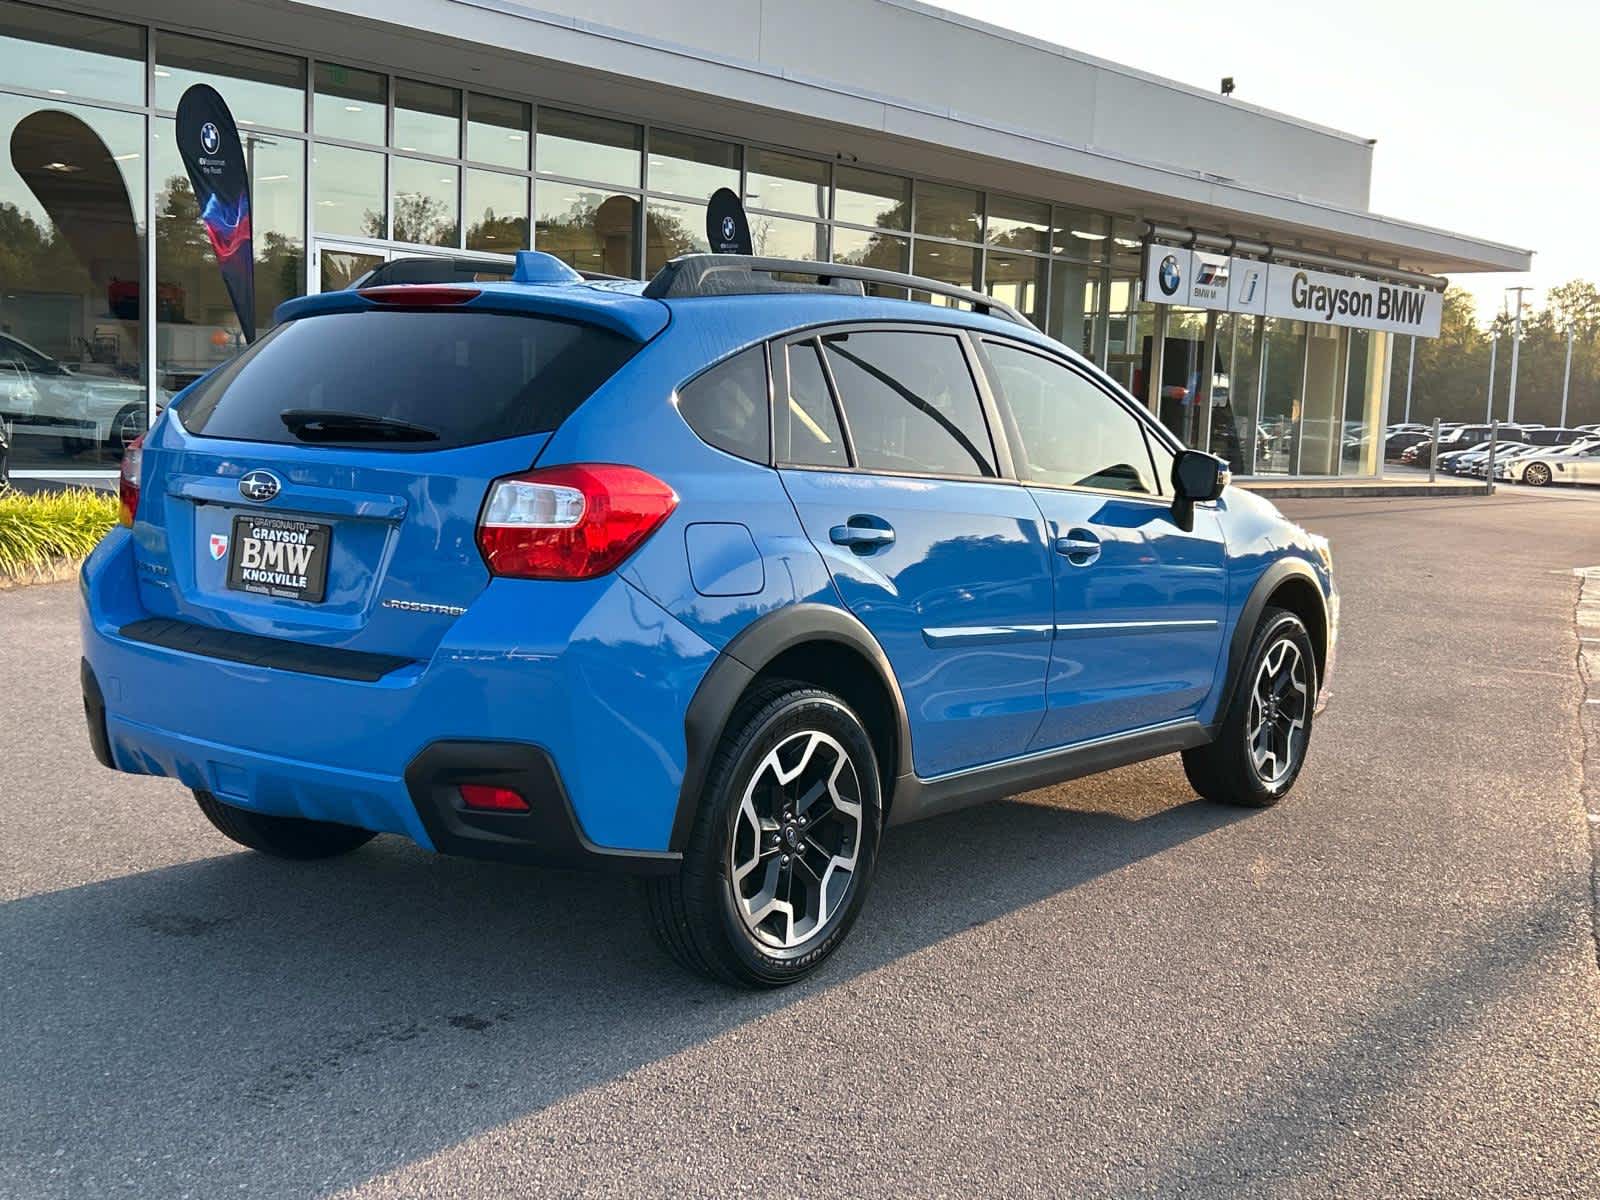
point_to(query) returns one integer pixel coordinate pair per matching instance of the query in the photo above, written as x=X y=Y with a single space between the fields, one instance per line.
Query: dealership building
x=1217 y=259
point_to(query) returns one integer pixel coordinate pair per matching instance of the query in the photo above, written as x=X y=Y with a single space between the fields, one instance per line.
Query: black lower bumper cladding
x=547 y=834
x=94 y=712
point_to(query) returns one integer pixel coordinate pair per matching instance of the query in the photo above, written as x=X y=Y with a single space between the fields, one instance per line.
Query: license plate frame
x=272 y=565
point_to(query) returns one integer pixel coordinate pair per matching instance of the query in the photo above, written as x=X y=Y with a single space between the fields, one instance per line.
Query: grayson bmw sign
x=259 y=486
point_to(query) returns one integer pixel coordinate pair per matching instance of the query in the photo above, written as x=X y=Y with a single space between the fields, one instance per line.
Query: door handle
x=861 y=537
x=1079 y=546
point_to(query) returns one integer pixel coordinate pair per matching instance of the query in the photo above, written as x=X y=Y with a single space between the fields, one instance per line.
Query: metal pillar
x=1494 y=346
x=1516 y=345
x=1566 y=380
x=1411 y=368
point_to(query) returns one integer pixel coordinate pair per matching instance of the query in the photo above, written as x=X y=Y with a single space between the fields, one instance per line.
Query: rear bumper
x=586 y=710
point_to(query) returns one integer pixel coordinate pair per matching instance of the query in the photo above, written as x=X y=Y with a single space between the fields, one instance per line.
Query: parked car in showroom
x=1577 y=463
x=41 y=396
x=715 y=579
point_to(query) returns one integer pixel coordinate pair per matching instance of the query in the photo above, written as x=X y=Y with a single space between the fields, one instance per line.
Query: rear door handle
x=1079 y=546
x=861 y=537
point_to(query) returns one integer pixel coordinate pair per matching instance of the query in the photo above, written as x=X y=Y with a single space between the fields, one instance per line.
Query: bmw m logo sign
x=259 y=486
x=210 y=139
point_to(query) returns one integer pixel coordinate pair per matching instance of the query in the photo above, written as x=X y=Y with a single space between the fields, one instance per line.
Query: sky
x=1486 y=115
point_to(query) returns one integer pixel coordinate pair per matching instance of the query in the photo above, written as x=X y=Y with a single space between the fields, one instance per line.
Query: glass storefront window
x=686 y=165
x=498 y=131
x=1233 y=414
x=261 y=88
x=948 y=212
x=780 y=237
x=350 y=192
x=590 y=228
x=72 y=370
x=884 y=251
x=1020 y=280
x=425 y=209
x=1283 y=367
x=871 y=198
x=351 y=104
x=948 y=264
x=786 y=183
x=1081 y=235
x=497 y=211
x=42 y=50
x=671 y=229
x=427 y=118
x=196 y=326
x=1363 y=401
x=1016 y=224
x=583 y=147
x=1074 y=305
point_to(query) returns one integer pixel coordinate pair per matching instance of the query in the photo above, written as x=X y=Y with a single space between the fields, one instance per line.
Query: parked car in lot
x=42 y=396
x=1479 y=462
x=1577 y=463
x=715 y=579
x=1398 y=442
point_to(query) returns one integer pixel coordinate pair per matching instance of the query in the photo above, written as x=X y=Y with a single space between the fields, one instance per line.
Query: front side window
x=728 y=405
x=1071 y=433
x=910 y=403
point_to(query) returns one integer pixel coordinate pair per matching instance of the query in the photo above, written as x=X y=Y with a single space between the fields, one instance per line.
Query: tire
x=1230 y=770
x=783 y=742
x=282 y=837
x=125 y=427
x=1537 y=475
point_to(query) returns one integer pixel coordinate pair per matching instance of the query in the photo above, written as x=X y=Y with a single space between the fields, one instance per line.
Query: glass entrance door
x=339 y=265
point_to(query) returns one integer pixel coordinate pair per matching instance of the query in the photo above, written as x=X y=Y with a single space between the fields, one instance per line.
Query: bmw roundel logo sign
x=1169 y=276
x=729 y=228
x=210 y=139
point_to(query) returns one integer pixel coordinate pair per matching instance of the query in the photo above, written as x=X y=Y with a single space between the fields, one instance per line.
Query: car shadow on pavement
x=240 y=1024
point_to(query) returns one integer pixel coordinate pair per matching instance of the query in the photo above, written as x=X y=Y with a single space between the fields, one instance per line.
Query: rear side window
x=910 y=403
x=406 y=380
x=1073 y=434
x=728 y=405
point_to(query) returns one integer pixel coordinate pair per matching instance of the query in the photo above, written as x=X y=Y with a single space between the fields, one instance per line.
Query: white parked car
x=1577 y=463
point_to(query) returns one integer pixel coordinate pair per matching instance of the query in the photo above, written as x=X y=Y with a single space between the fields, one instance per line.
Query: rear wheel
x=281 y=837
x=783 y=846
x=1267 y=729
x=1536 y=475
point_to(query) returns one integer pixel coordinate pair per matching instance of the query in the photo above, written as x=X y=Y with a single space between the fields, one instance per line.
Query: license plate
x=279 y=556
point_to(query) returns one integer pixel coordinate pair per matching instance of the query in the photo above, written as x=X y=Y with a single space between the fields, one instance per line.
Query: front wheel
x=783 y=846
x=281 y=837
x=1267 y=729
x=1537 y=475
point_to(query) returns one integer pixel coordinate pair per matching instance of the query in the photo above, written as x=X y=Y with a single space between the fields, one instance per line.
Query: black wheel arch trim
x=744 y=658
x=1270 y=580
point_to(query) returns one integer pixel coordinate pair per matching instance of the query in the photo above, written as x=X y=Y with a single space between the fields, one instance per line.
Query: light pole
x=1566 y=379
x=1494 y=345
x=1516 y=345
x=1411 y=367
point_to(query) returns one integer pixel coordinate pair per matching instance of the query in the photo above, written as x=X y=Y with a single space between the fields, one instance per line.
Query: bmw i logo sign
x=1169 y=276
x=210 y=139
x=259 y=486
x=728 y=228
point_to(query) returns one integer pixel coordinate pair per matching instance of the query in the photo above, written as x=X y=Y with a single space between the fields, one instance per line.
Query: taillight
x=485 y=797
x=128 y=479
x=571 y=522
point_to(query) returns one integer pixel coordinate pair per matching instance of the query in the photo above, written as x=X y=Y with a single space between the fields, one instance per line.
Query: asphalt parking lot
x=1385 y=987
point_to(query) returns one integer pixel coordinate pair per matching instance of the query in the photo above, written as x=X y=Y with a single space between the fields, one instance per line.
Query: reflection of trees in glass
x=504 y=234
x=667 y=236
x=189 y=287
x=420 y=218
x=34 y=256
x=594 y=234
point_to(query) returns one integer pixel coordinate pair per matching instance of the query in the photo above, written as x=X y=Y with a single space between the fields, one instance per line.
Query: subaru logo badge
x=210 y=139
x=259 y=486
x=1169 y=277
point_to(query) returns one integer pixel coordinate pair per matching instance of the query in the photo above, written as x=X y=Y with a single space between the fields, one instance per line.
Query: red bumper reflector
x=484 y=798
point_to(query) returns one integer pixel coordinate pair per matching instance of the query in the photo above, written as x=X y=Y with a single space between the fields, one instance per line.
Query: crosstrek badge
x=219 y=546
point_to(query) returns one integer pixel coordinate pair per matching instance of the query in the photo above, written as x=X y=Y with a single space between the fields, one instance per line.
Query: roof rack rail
x=743 y=274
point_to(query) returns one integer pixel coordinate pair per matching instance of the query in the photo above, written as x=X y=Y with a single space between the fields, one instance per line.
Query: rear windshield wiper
x=322 y=425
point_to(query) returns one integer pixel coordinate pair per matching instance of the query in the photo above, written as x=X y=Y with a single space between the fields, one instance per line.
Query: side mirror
x=1197 y=477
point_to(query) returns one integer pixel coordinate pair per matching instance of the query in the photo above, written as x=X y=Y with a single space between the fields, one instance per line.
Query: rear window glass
x=406 y=380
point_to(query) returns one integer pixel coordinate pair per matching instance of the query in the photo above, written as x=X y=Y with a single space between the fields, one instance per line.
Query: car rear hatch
x=324 y=487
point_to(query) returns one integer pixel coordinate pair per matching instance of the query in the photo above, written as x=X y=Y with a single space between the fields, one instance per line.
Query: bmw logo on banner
x=727 y=229
x=208 y=143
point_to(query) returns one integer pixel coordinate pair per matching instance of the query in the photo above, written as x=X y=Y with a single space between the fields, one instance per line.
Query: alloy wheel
x=1279 y=704
x=796 y=837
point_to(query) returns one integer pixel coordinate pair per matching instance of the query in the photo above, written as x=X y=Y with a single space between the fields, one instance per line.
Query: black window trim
x=1004 y=472
x=1153 y=430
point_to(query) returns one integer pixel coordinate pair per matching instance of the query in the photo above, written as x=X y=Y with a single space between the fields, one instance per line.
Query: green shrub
x=39 y=530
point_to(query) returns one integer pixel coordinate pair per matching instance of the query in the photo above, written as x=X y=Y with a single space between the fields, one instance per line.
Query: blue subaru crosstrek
x=713 y=579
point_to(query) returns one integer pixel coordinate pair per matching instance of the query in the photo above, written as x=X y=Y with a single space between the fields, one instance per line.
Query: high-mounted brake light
x=128 y=480
x=418 y=295
x=572 y=522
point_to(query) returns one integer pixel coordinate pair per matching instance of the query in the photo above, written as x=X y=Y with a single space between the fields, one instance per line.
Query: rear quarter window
x=729 y=406
x=467 y=377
